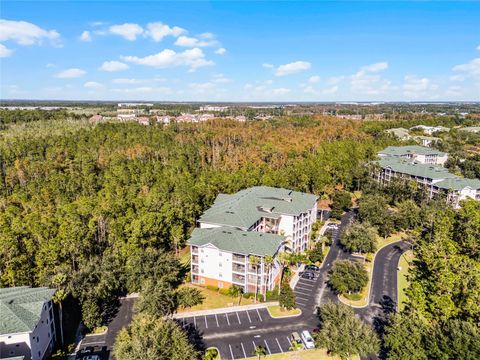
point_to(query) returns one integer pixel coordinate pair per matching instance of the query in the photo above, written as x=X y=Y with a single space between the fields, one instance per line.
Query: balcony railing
x=238 y=268
x=238 y=279
x=194 y=259
x=195 y=269
x=194 y=250
x=238 y=258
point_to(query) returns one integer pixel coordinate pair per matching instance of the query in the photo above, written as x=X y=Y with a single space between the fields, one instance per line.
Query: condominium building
x=27 y=325
x=436 y=180
x=239 y=238
x=420 y=154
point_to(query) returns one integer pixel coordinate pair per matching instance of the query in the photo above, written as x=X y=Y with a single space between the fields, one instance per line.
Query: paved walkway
x=230 y=309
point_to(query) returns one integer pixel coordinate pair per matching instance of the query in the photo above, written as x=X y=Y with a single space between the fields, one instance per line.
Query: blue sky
x=240 y=51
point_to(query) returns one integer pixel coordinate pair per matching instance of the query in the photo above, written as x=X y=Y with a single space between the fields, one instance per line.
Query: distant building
x=259 y=221
x=472 y=129
x=400 y=133
x=163 y=119
x=431 y=129
x=96 y=118
x=213 y=108
x=436 y=180
x=426 y=140
x=130 y=105
x=420 y=154
x=143 y=120
x=27 y=325
x=240 y=118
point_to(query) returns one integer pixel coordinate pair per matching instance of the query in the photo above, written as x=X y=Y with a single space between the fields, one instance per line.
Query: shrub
x=211 y=287
x=248 y=295
x=224 y=292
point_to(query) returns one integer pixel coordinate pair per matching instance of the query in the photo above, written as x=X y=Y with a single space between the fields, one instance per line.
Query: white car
x=91 y=357
x=308 y=340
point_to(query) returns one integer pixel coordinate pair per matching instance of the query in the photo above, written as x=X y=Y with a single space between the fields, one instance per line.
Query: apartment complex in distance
x=422 y=165
x=27 y=325
x=259 y=222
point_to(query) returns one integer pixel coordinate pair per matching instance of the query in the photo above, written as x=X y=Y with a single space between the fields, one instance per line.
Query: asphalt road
x=236 y=334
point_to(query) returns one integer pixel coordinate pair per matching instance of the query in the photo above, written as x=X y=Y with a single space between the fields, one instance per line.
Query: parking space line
x=259 y=315
x=231 y=352
x=301 y=304
x=194 y=322
x=183 y=322
x=228 y=320
x=243 y=349
x=278 y=343
x=304 y=287
x=300 y=292
x=313 y=281
x=299 y=297
x=288 y=339
x=269 y=352
x=249 y=319
x=302 y=284
x=254 y=346
x=206 y=323
x=238 y=317
x=216 y=319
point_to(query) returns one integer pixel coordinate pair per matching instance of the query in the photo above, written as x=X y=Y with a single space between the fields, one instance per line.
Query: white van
x=308 y=340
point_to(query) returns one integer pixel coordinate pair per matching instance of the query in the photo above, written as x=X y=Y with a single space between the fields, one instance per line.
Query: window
x=220 y=253
x=219 y=274
x=220 y=284
x=202 y=281
x=219 y=264
x=202 y=271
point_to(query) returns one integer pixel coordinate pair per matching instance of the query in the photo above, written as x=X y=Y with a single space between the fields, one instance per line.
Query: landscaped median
x=361 y=299
x=276 y=311
x=314 y=354
x=404 y=264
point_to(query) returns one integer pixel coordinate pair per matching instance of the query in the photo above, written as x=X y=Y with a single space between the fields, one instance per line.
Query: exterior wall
x=215 y=264
x=35 y=345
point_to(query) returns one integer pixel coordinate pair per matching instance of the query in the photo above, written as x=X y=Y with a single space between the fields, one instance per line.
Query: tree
x=187 y=297
x=360 y=237
x=315 y=255
x=374 y=209
x=255 y=262
x=348 y=276
x=156 y=299
x=259 y=351
x=236 y=291
x=341 y=202
x=210 y=354
x=341 y=333
x=287 y=296
x=408 y=215
x=268 y=261
x=152 y=338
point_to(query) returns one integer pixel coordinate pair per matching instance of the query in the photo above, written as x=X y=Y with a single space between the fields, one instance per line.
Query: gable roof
x=245 y=207
x=414 y=168
x=21 y=308
x=458 y=183
x=410 y=149
x=237 y=241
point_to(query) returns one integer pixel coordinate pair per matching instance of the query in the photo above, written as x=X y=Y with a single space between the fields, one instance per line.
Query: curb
x=224 y=310
x=286 y=316
x=371 y=282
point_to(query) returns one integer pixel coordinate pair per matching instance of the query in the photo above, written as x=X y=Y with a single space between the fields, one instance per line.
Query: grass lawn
x=214 y=300
x=184 y=255
x=381 y=242
x=404 y=264
x=276 y=311
x=314 y=354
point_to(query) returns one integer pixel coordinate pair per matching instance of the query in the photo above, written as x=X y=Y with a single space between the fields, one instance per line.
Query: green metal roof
x=247 y=206
x=21 y=308
x=471 y=129
x=458 y=183
x=399 y=132
x=415 y=169
x=410 y=149
x=237 y=241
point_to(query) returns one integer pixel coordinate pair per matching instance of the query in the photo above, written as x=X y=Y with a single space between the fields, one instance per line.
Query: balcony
x=238 y=258
x=252 y=279
x=238 y=268
x=194 y=250
x=239 y=279
x=195 y=269
x=194 y=259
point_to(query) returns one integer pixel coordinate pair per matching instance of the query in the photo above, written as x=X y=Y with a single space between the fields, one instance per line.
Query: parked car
x=312 y=268
x=308 y=340
x=308 y=275
x=295 y=337
x=332 y=226
x=91 y=357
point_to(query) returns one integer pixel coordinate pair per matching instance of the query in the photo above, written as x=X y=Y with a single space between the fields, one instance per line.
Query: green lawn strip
x=214 y=300
x=313 y=354
x=276 y=311
x=404 y=263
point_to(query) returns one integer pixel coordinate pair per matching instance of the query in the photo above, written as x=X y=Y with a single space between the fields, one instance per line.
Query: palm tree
x=60 y=295
x=255 y=261
x=259 y=351
x=268 y=263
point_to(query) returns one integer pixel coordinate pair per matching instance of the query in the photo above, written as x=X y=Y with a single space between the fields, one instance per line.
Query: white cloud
x=280 y=91
x=86 y=37
x=220 y=51
x=93 y=85
x=187 y=41
x=220 y=79
x=472 y=68
x=310 y=90
x=333 y=80
x=478 y=47
x=129 y=31
x=268 y=66
x=157 y=31
x=457 y=78
x=70 y=73
x=292 y=68
x=128 y=81
x=25 y=33
x=50 y=65
x=4 y=51
x=367 y=82
x=192 y=58
x=314 y=79
x=415 y=87
x=114 y=65
x=331 y=90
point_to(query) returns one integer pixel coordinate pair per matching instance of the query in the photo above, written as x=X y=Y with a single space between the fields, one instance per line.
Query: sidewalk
x=224 y=310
